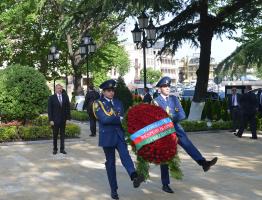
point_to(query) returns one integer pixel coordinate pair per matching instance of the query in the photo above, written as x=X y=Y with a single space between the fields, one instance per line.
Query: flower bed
x=37 y=129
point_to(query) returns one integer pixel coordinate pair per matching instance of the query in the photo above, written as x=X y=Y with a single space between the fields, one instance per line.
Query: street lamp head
x=91 y=46
x=56 y=55
x=50 y=57
x=82 y=49
x=151 y=31
x=53 y=49
x=136 y=34
x=143 y=20
x=86 y=39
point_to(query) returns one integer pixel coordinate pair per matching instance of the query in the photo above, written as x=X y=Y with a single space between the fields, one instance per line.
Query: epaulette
x=99 y=105
x=154 y=102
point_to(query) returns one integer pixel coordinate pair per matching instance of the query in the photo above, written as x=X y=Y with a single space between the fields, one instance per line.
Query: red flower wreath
x=159 y=151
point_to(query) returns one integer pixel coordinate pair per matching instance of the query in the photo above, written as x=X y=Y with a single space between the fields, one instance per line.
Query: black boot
x=137 y=179
x=167 y=189
x=114 y=195
x=207 y=164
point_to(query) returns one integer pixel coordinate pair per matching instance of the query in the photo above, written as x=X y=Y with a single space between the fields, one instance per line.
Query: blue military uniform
x=172 y=106
x=111 y=137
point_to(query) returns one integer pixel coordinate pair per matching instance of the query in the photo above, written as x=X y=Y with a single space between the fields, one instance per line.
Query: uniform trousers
x=110 y=164
x=188 y=146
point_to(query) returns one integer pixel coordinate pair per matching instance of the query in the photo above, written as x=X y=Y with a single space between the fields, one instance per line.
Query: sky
x=220 y=49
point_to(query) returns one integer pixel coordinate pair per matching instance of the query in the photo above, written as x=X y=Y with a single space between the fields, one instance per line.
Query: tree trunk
x=205 y=39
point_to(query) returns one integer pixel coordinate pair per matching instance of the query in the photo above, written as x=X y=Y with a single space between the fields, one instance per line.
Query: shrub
x=222 y=125
x=79 y=115
x=45 y=132
x=123 y=94
x=35 y=132
x=41 y=121
x=72 y=130
x=24 y=93
x=194 y=125
x=8 y=133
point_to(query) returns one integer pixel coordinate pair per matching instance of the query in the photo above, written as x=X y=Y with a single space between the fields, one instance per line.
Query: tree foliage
x=152 y=75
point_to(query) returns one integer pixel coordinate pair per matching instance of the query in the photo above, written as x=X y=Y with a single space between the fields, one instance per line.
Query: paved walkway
x=29 y=171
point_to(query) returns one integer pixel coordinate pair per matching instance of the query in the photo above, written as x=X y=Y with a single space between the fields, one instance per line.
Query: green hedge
x=191 y=126
x=8 y=133
x=13 y=133
x=79 y=115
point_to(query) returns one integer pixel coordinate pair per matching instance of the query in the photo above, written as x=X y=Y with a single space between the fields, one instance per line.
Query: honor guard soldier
x=173 y=107
x=109 y=113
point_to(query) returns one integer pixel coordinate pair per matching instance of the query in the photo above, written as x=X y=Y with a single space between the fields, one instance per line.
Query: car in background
x=174 y=91
x=188 y=94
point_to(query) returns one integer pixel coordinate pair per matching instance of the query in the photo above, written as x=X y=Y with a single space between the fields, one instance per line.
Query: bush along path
x=38 y=129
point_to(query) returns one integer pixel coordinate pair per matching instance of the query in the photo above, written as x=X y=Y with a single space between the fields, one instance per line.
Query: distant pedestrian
x=147 y=97
x=91 y=96
x=234 y=109
x=248 y=109
x=156 y=93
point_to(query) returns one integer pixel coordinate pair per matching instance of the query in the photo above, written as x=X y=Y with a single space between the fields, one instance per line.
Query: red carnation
x=161 y=150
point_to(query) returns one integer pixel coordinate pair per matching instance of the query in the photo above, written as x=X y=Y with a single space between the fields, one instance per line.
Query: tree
x=197 y=22
x=152 y=75
x=247 y=55
x=124 y=94
x=26 y=39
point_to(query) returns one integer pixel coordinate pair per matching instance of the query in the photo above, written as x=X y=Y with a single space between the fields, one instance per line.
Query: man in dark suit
x=109 y=113
x=91 y=96
x=259 y=98
x=234 y=109
x=248 y=108
x=147 y=98
x=58 y=115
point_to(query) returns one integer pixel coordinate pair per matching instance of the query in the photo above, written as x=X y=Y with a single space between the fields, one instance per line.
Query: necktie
x=167 y=107
x=261 y=98
x=111 y=104
x=233 y=99
x=60 y=99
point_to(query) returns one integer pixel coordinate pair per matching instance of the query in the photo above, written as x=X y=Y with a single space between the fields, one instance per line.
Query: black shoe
x=138 y=180
x=253 y=138
x=207 y=164
x=63 y=151
x=234 y=130
x=167 y=189
x=236 y=134
x=92 y=135
x=114 y=195
x=54 y=152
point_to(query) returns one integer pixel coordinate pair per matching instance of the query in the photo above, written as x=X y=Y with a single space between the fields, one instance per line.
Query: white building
x=167 y=64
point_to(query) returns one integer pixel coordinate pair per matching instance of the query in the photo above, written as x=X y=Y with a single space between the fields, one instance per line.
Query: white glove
x=52 y=123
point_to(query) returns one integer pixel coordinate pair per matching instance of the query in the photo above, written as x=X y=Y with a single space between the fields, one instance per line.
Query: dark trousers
x=59 y=129
x=92 y=121
x=248 y=118
x=110 y=164
x=235 y=115
x=188 y=146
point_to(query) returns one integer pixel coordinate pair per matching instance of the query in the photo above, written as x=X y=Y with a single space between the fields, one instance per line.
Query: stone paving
x=29 y=171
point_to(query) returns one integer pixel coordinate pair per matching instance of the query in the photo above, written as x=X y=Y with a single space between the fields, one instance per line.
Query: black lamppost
x=148 y=32
x=53 y=56
x=85 y=48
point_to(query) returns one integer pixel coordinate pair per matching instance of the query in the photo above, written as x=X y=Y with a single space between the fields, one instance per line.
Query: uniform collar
x=163 y=96
x=108 y=99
